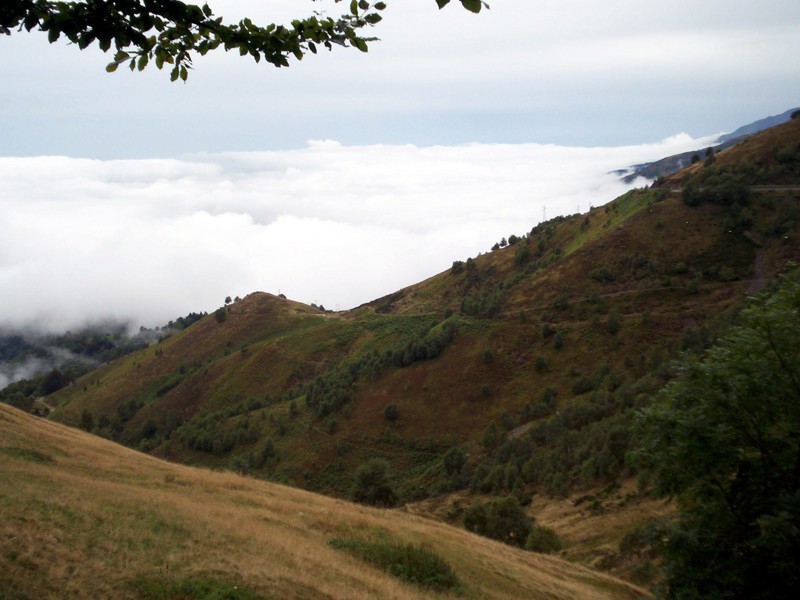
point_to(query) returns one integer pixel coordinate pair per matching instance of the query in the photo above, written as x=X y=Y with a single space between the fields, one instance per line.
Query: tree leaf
x=472 y=5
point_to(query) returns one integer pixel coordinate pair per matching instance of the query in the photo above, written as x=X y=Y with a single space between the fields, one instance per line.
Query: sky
x=349 y=175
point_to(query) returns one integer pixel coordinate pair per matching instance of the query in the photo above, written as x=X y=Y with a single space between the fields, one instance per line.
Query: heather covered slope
x=559 y=334
x=84 y=517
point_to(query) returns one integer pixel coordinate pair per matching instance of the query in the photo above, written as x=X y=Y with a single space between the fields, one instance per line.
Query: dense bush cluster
x=483 y=303
x=215 y=431
x=333 y=389
x=585 y=442
x=505 y=520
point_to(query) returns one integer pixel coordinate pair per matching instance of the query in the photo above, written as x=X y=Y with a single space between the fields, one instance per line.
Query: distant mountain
x=670 y=164
x=759 y=125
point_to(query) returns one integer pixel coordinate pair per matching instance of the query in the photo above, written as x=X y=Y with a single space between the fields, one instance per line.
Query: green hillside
x=516 y=371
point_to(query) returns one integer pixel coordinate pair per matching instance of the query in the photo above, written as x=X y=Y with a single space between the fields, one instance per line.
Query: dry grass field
x=85 y=518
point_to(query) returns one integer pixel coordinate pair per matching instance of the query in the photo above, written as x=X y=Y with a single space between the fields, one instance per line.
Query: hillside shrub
x=391 y=413
x=412 y=563
x=492 y=436
x=602 y=275
x=372 y=485
x=87 y=421
x=614 y=323
x=454 y=461
x=265 y=452
x=522 y=254
x=503 y=520
x=485 y=303
x=534 y=410
x=583 y=385
x=558 y=340
x=544 y=540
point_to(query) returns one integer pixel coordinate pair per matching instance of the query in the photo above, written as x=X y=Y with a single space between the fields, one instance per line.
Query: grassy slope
x=83 y=517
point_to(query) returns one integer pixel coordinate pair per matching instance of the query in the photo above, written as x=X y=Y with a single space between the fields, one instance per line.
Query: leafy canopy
x=171 y=32
x=724 y=441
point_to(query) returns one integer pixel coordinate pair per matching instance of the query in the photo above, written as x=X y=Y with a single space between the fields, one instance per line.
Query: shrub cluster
x=505 y=520
x=333 y=389
x=413 y=563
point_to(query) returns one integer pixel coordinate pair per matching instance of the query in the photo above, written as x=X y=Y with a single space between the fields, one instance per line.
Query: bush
x=454 y=461
x=543 y=539
x=583 y=385
x=558 y=341
x=372 y=485
x=87 y=421
x=502 y=520
x=391 y=413
x=614 y=323
x=413 y=563
x=521 y=255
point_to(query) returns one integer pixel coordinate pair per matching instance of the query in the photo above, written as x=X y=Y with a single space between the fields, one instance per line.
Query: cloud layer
x=151 y=240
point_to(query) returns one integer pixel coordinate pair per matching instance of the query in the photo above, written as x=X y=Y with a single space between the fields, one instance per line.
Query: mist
x=146 y=241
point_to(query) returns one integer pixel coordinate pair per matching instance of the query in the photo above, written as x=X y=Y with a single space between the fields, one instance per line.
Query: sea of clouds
x=151 y=240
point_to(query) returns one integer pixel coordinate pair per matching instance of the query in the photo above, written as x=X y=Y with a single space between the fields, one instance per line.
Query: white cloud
x=336 y=225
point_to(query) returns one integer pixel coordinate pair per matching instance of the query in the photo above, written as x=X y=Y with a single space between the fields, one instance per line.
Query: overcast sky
x=576 y=72
x=349 y=175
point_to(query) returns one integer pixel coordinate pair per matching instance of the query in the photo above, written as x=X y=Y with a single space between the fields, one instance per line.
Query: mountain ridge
x=670 y=164
x=514 y=373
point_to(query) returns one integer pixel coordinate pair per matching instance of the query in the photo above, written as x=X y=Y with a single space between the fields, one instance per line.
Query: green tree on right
x=723 y=440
